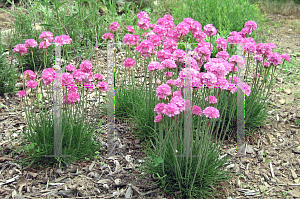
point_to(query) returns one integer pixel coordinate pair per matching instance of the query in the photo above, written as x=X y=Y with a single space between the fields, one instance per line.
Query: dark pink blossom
x=31 y=43
x=20 y=48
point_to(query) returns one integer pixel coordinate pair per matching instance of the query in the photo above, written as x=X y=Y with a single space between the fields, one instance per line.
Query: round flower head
x=143 y=15
x=72 y=88
x=79 y=75
x=20 y=48
x=195 y=26
x=245 y=88
x=163 y=91
x=199 y=36
x=274 y=59
x=286 y=57
x=62 y=40
x=182 y=29
x=171 y=110
x=46 y=36
x=158 y=118
x=161 y=31
x=103 y=86
x=209 y=30
x=155 y=40
x=44 y=45
x=168 y=74
x=114 y=26
x=197 y=110
x=177 y=93
x=169 y=17
x=154 y=65
x=98 y=77
x=67 y=79
x=21 y=94
x=211 y=112
x=130 y=29
x=211 y=99
x=179 y=101
x=129 y=62
x=170 y=45
x=48 y=76
x=108 y=36
x=251 y=25
x=146 y=48
x=171 y=82
x=31 y=84
x=70 y=67
x=31 y=43
x=160 y=108
x=178 y=54
x=168 y=63
x=29 y=75
x=73 y=97
x=86 y=66
x=258 y=58
x=222 y=55
x=143 y=24
x=221 y=44
x=164 y=54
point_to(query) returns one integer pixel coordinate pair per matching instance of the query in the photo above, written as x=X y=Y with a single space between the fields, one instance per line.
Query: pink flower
x=168 y=74
x=96 y=48
x=199 y=36
x=222 y=55
x=235 y=80
x=261 y=48
x=211 y=99
x=245 y=31
x=21 y=94
x=79 y=75
x=171 y=110
x=154 y=65
x=251 y=25
x=114 y=26
x=238 y=60
x=245 y=88
x=72 y=88
x=160 y=108
x=143 y=24
x=168 y=17
x=256 y=75
x=275 y=59
x=98 y=77
x=171 y=82
x=62 y=40
x=146 y=48
x=130 y=29
x=234 y=39
x=197 y=110
x=31 y=43
x=177 y=93
x=44 y=45
x=86 y=66
x=108 y=36
x=178 y=54
x=182 y=29
x=164 y=54
x=211 y=112
x=155 y=39
x=179 y=101
x=209 y=78
x=46 y=36
x=172 y=34
x=129 y=62
x=221 y=44
x=166 y=23
x=170 y=44
x=158 y=118
x=195 y=26
x=67 y=79
x=267 y=64
x=161 y=31
x=286 y=57
x=31 y=84
x=73 y=97
x=188 y=21
x=89 y=86
x=258 y=58
x=48 y=76
x=103 y=86
x=29 y=74
x=70 y=67
x=20 y=48
x=168 y=63
x=209 y=30
x=143 y=15
x=163 y=91
x=130 y=39
x=250 y=48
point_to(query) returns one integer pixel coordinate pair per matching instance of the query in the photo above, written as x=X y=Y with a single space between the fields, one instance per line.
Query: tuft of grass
x=283 y=7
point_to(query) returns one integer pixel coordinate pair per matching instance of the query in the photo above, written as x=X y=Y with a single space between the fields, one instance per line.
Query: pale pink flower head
x=168 y=74
x=170 y=44
x=154 y=65
x=67 y=79
x=130 y=29
x=86 y=66
x=182 y=29
x=29 y=75
x=238 y=60
x=199 y=36
x=169 y=17
x=222 y=55
x=274 y=59
x=21 y=94
x=266 y=64
x=251 y=25
x=258 y=58
x=20 y=48
x=73 y=97
x=177 y=93
x=211 y=112
x=168 y=63
x=209 y=78
x=234 y=80
x=70 y=68
x=114 y=26
x=158 y=118
x=195 y=26
x=211 y=99
x=163 y=91
x=98 y=77
x=209 y=30
x=62 y=40
x=172 y=34
x=48 y=76
x=143 y=24
x=261 y=48
x=161 y=31
x=79 y=75
x=108 y=36
x=164 y=54
x=155 y=39
x=44 y=45
x=158 y=82
x=286 y=57
x=178 y=55
x=129 y=62
x=160 y=108
x=72 y=88
x=179 y=101
x=46 y=36
x=197 y=110
x=221 y=44
x=103 y=86
x=245 y=88
x=31 y=84
x=171 y=110
x=235 y=39
x=179 y=82
x=146 y=48
x=143 y=15
x=171 y=82
x=31 y=43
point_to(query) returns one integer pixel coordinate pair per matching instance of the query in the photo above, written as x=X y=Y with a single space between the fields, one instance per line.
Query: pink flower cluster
x=114 y=26
x=129 y=62
x=62 y=40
